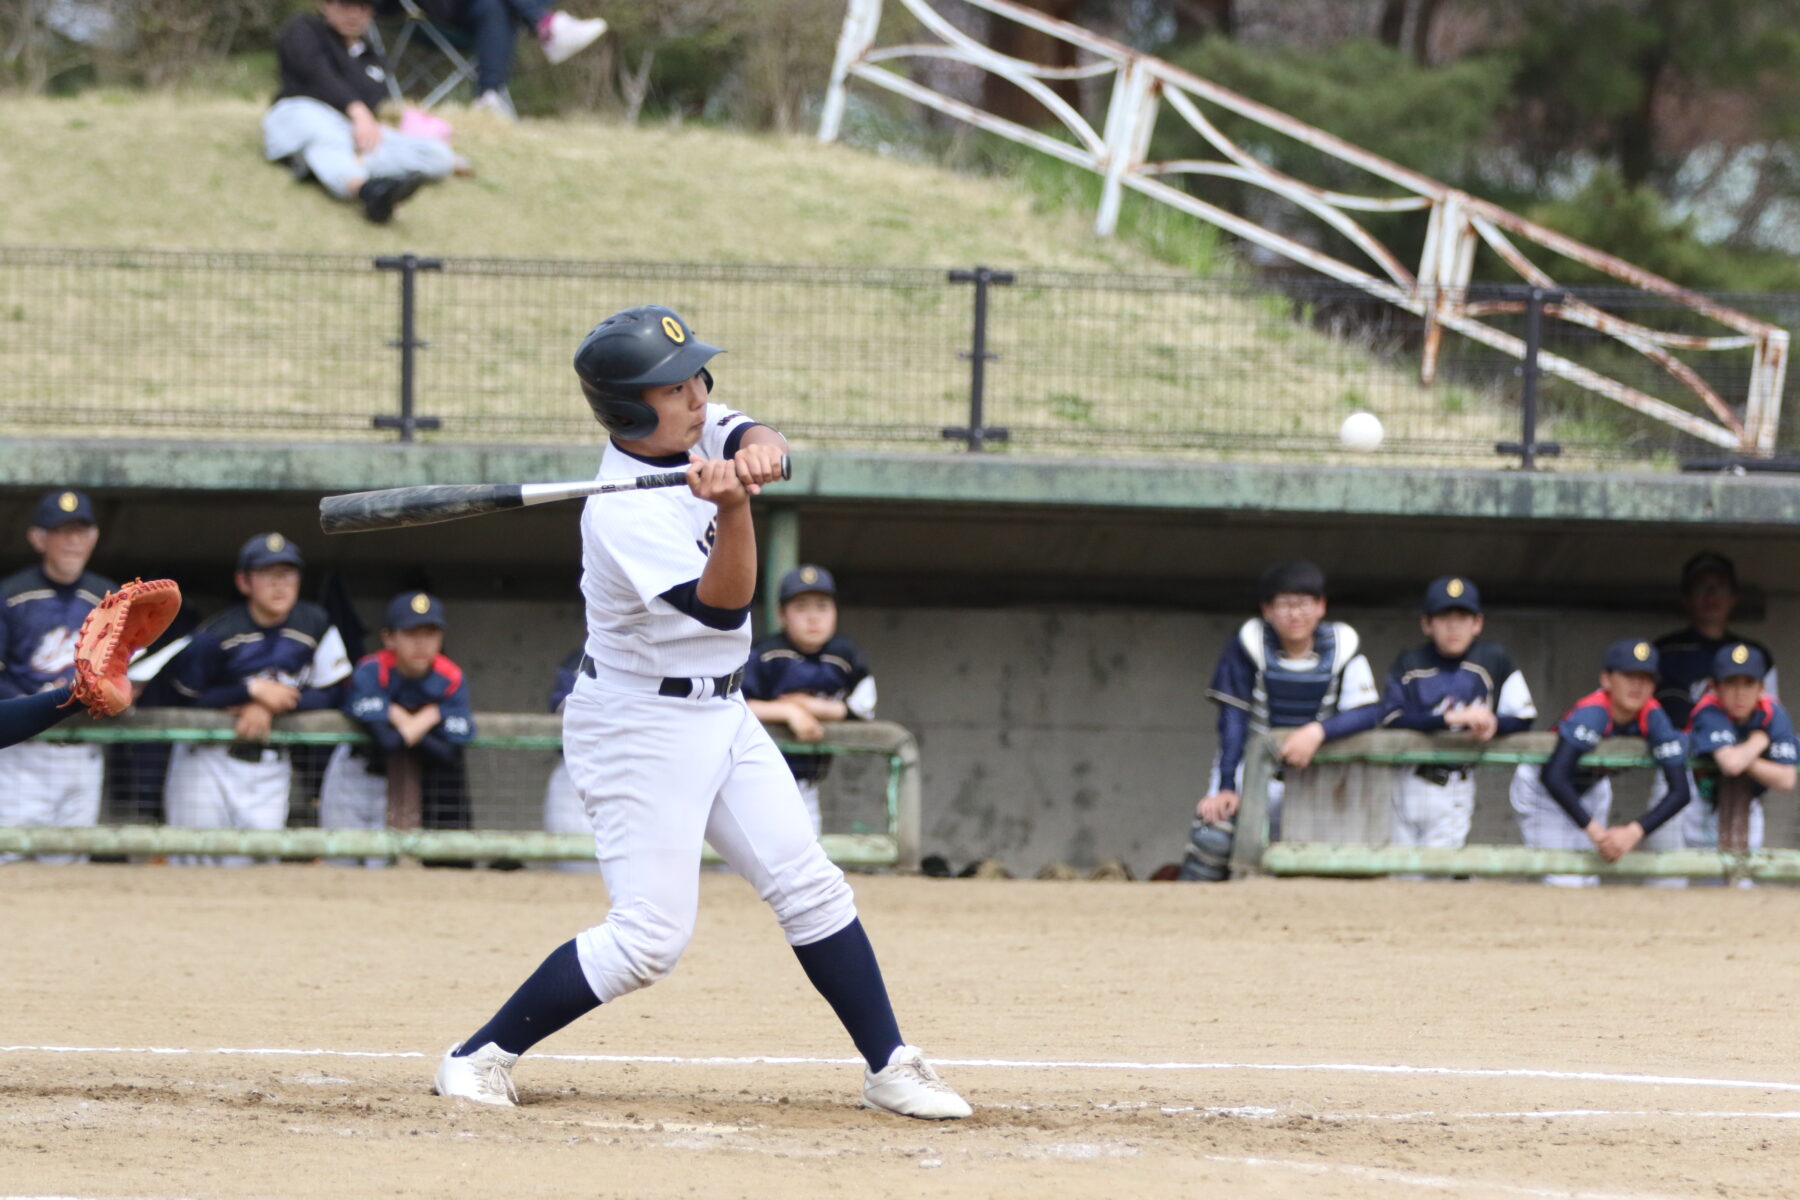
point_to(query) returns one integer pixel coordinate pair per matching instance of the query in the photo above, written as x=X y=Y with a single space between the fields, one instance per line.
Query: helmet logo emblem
x=421 y=604
x=1740 y=654
x=1455 y=588
x=67 y=502
x=1641 y=651
x=673 y=328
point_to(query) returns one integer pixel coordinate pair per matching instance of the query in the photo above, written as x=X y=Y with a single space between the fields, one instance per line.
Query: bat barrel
x=398 y=508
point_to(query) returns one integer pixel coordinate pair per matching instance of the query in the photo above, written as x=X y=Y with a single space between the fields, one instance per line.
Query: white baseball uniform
x=660 y=744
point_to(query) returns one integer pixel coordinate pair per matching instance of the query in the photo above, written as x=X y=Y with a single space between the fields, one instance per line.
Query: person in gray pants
x=322 y=121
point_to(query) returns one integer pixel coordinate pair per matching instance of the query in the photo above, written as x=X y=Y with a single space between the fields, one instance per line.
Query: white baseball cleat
x=908 y=1086
x=484 y=1076
x=569 y=36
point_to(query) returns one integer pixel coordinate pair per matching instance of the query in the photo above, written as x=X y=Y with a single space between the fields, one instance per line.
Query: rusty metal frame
x=1457 y=223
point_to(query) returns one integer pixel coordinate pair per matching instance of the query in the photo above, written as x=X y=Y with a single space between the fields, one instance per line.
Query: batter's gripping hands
x=123 y=623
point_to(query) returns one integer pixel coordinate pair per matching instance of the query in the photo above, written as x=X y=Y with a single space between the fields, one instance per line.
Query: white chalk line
x=1010 y=1064
x=1442 y=1183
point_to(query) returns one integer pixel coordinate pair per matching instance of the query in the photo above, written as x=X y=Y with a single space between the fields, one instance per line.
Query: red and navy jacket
x=1710 y=729
x=1588 y=720
x=377 y=682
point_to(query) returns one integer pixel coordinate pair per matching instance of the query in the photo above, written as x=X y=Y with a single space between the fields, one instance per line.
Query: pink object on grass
x=416 y=122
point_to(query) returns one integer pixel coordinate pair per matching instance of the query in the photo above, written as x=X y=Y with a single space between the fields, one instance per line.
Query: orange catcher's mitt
x=121 y=624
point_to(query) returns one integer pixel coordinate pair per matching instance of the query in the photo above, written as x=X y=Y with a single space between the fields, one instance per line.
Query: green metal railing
x=897 y=847
x=1253 y=853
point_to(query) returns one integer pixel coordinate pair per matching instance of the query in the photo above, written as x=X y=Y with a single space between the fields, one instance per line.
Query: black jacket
x=315 y=62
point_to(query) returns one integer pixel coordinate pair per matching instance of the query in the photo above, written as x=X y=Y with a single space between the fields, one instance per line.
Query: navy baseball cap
x=268 y=550
x=1708 y=562
x=56 y=509
x=1450 y=592
x=1740 y=658
x=1631 y=654
x=806 y=578
x=410 y=610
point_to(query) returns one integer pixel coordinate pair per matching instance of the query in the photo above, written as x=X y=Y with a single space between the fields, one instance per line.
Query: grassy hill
x=160 y=171
x=1147 y=365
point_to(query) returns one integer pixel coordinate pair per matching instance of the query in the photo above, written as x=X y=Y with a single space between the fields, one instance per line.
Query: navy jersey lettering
x=378 y=682
x=38 y=623
x=1710 y=729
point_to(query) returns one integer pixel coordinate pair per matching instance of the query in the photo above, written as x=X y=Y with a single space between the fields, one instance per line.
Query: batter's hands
x=756 y=465
x=1220 y=806
x=1620 y=840
x=1302 y=744
x=253 y=722
x=716 y=480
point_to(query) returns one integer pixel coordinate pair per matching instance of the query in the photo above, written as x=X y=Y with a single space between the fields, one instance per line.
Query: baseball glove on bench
x=123 y=623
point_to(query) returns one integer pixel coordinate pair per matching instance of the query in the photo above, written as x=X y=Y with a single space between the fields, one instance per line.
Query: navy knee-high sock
x=555 y=995
x=844 y=969
x=28 y=716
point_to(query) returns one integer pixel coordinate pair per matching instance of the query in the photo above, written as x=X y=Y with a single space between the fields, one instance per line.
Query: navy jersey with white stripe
x=1423 y=685
x=229 y=649
x=38 y=623
x=836 y=671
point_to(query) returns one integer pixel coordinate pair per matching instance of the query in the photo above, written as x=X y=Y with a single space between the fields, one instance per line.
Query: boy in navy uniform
x=808 y=673
x=1739 y=731
x=1287 y=669
x=1455 y=681
x=272 y=654
x=1562 y=806
x=41 y=609
x=413 y=702
x=1709 y=592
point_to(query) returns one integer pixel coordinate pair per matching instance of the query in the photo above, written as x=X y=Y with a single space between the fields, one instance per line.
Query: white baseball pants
x=43 y=783
x=351 y=798
x=206 y=788
x=564 y=813
x=1433 y=814
x=659 y=776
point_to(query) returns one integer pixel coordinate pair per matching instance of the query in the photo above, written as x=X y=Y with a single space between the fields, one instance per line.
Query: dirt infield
x=1115 y=1039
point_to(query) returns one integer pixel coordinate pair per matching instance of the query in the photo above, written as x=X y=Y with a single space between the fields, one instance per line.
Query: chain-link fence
x=311 y=347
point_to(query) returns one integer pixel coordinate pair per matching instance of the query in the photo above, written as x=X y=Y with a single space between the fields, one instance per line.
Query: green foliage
x=1430 y=119
x=1634 y=224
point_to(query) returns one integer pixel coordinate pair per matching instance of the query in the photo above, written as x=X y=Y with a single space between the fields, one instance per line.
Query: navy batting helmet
x=642 y=347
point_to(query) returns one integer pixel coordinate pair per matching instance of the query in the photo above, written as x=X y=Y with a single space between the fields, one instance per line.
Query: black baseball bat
x=397 y=508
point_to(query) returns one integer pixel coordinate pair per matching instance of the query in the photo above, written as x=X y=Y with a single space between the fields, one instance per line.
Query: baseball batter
x=41 y=608
x=1563 y=806
x=659 y=742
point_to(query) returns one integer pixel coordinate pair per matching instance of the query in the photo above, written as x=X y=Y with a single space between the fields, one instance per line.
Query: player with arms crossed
x=659 y=741
x=1738 y=731
x=1563 y=806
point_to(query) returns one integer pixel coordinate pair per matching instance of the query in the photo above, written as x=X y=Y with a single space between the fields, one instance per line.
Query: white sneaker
x=569 y=36
x=908 y=1086
x=496 y=104
x=484 y=1076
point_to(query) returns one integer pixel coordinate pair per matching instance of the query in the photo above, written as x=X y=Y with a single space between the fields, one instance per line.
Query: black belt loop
x=587 y=667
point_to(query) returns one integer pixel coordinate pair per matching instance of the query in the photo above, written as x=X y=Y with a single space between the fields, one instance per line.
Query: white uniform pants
x=1543 y=825
x=1277 y=791
x=564 y=813
x=207 y=788
x=43 y=783
x=322 y=136
x=659 y=776
x=1433 y=814
x=809 y=796
x=351 y=798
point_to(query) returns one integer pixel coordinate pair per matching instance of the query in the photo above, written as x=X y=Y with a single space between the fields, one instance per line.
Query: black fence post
x=977 y=433
x=409 y=266
x=1528 y=448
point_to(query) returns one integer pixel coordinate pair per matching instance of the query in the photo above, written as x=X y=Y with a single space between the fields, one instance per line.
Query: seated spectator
x=563 y=809
x=412 y=701
x=1455 y=681
x=493 y=26
x=272 y=654
x=41 y=608
x=323 y=115
x=1738 y=731
x=1564 y=806
x=808 y=673
x=1709 y=592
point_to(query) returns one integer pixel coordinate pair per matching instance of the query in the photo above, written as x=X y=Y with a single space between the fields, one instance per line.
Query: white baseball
x=1361 y=431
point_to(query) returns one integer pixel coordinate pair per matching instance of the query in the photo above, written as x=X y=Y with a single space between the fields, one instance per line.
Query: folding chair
x=440 y=73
